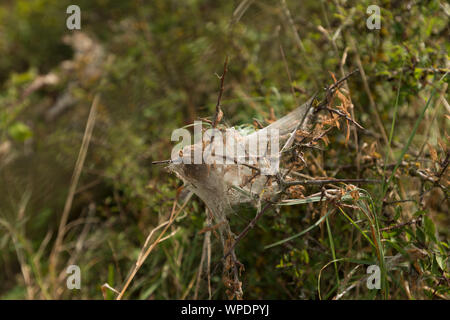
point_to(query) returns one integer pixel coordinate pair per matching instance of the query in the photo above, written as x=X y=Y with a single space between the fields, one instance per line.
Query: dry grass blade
x=106 y=286
x=73 y=184
x=206 y=244
x=143 y=257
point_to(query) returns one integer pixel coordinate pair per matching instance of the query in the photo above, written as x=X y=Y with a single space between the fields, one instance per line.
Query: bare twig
x=401 y=225
x=345 y=117
x=320 y=182
x=247 y=229
x=161 y=161
x=202 y=259
x=219 y=114
x=444 y=165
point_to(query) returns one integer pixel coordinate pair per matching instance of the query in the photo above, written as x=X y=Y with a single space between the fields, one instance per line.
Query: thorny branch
x=297 y=140
x=330 y=91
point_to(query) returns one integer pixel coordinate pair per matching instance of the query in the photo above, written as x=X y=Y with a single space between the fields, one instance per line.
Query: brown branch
x=341 y=81
x=246 y=230
x=268 y=205
x=331 y=90
x=161 y=161
x=320 y=182
x=237 y=162
x=339 y=113
x=219 y=112
x=401 y=224
x=444 y=165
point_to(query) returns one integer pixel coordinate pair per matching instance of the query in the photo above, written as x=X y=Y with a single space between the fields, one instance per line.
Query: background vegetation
x=157 y=62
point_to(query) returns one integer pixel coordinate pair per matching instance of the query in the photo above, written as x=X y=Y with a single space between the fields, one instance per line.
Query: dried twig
x=402 y=224
x=73 y=186
x=320 y=182
x=143 y=257
x=246 y=230
x=341 y=114
x=219 y=114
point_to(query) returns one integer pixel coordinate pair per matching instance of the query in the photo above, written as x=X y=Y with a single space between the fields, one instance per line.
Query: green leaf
x=441 y=262
x=20 y=132
x=430 y=229
x=300 y=233
x=420 y=235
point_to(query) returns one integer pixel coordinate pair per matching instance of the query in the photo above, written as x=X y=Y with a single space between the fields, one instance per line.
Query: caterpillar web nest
x=222 y=181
